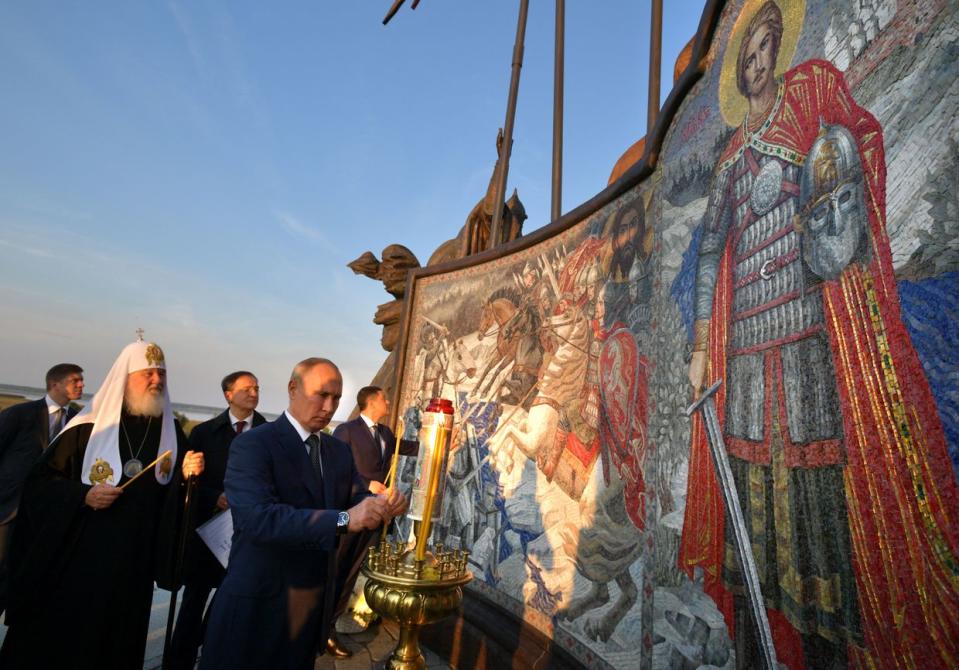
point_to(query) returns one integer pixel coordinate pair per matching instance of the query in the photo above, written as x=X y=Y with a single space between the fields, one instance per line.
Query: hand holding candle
x=368 y=514
x=396 y=502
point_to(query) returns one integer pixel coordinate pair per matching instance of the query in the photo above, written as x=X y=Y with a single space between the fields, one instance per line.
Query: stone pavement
x=369 y=647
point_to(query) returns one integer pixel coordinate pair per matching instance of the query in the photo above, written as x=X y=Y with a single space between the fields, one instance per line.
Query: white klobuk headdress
x=102 y=461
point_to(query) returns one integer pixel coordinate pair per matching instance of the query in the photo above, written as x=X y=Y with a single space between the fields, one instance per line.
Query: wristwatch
x=342 y=522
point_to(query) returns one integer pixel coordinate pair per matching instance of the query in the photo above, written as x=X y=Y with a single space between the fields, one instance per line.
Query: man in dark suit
x=293 y=492
x=26 y=430
x=373 y=445
x=202 y=572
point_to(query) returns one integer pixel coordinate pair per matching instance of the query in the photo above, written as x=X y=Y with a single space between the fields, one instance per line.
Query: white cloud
x=185 y=27
x=298 y=228
x=32 y=251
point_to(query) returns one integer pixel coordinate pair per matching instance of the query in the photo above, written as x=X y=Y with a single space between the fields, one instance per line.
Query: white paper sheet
x=217 y=534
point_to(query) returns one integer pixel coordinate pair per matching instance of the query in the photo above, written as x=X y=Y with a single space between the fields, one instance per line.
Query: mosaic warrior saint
x=836 y=448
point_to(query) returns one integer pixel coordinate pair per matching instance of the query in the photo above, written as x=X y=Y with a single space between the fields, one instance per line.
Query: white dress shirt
x=370 y=424
x=246 y=426
x=52 y=409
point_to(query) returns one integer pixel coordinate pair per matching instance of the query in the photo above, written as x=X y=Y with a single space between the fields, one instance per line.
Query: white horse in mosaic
x=605 y=542
x=560 y=380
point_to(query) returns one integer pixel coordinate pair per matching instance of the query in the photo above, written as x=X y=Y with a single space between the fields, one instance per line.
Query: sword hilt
x=708 y=393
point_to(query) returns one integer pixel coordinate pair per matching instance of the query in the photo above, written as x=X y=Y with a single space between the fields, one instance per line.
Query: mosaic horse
x=448 y=368
x=516 y=325
x=606 y=548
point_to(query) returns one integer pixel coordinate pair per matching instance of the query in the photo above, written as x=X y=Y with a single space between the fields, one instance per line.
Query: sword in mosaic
x=707 y=406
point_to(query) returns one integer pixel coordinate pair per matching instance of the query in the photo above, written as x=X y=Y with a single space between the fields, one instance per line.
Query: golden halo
x=732 y=104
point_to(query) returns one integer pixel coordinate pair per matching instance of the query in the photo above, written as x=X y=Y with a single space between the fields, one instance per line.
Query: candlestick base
x=413 y=593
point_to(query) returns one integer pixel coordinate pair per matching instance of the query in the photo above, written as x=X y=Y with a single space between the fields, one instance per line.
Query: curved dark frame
x=695 y=69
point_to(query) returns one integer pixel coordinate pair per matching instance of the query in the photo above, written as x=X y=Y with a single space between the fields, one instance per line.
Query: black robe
x=82 y=579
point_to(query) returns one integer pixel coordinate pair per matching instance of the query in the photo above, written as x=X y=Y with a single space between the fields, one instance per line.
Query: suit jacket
x=213 y=438
x=269 y=610
x=371 y=463
x=24 y=435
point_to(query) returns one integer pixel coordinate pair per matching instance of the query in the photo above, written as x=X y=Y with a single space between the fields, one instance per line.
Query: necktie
x=376 y=438
x=58 y=422
x=316 y=459
x=239 y=426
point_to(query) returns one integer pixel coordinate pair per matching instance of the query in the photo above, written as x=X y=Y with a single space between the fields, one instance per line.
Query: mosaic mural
x=797 y=241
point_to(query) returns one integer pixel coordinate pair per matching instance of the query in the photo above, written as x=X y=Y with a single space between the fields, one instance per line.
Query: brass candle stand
x=412 y=585
x=414 y=592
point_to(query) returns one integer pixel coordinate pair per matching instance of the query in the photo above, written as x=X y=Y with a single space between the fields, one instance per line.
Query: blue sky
x=206 y=169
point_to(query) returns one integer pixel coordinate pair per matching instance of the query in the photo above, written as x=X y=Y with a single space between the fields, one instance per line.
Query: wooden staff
x=165 y=454
x=178 y=568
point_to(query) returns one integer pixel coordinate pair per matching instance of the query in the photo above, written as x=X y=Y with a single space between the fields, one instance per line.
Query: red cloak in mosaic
x=900 y=486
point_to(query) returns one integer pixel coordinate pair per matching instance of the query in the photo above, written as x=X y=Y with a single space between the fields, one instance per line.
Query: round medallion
x=766 y=187
x=132 y=468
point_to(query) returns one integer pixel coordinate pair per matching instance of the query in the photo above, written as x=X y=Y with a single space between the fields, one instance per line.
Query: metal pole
x=497 y=225
x=558 y=76
x=655 y=63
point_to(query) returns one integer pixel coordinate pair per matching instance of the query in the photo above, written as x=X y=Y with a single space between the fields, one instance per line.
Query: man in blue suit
x=293 y=492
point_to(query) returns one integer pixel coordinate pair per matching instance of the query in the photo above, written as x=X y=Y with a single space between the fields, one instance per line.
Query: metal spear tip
x=708 y=393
